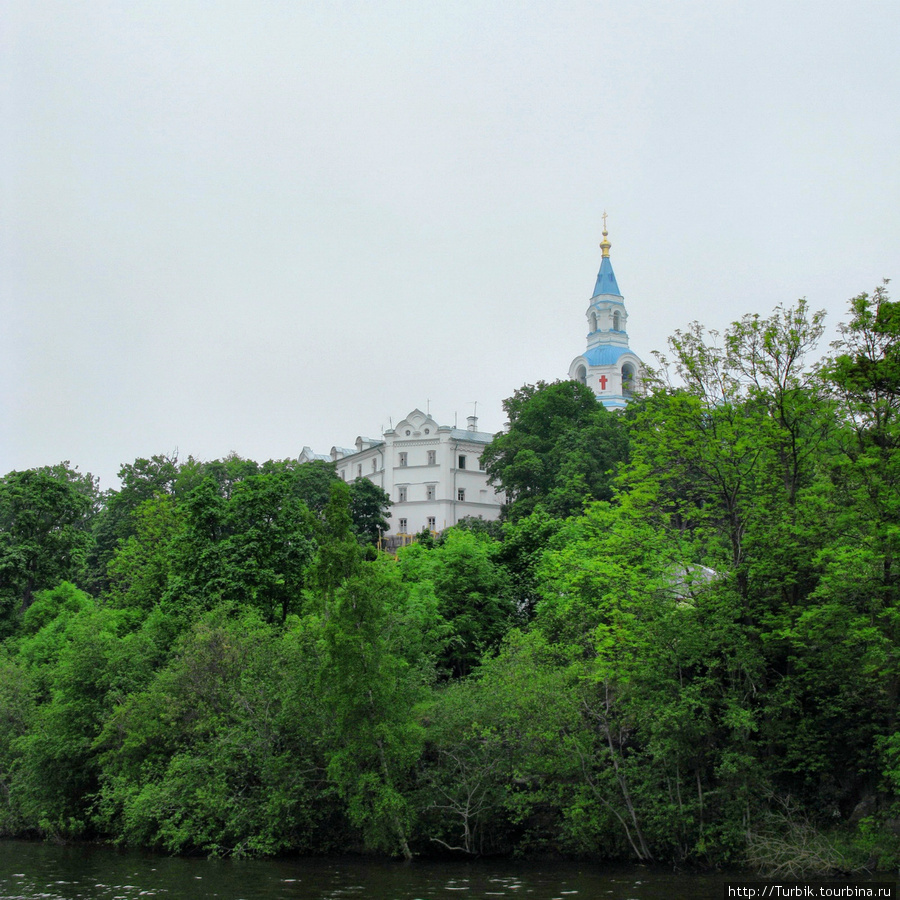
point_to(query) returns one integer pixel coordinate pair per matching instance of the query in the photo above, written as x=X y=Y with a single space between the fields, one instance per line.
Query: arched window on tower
x=617 y=321
x=581 y=375
x=628 y=380
x=593 y=322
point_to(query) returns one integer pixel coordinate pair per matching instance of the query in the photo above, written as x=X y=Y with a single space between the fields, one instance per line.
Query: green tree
x=139 y=570
x=729 y=452
x=229 y=473
x=497 y=769
x=45 y=519
x=369 y=506
x=81 y=663
x=17 y=702
x=140 y=481
x=865 y=370
x=559 y=451
x=856 y=685
x=472 y=592
x=666 y=677
x=253 y=547
x=339 y=555
x=374 y=676
x=270 y=546
x=222 y=751
x=524 y=542
x=311 y=481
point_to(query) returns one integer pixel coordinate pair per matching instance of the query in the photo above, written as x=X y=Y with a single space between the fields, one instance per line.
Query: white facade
x=608 y=366
x=431 y=472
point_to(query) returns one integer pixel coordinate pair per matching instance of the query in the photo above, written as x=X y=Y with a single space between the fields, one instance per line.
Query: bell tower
x=608 y=366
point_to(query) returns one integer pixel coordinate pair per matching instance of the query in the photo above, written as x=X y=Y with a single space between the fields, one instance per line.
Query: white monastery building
x=608 y=366
x=431 y=472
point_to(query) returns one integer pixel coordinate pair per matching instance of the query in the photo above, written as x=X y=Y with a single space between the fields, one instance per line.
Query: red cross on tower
x=603 y=380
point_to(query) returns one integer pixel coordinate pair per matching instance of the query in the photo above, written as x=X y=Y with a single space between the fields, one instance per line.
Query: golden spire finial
x=605 y=244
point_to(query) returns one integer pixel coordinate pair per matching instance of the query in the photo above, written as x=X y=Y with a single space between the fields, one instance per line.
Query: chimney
x=473 y=423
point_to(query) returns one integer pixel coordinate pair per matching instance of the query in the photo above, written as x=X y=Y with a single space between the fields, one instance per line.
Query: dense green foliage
x=559 y=451
x=679 y=644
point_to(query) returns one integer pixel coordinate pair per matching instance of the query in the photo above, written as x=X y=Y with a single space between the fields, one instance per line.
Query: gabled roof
x=416 y=422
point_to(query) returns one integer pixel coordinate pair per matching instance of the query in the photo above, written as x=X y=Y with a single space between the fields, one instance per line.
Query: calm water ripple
x=31 y=871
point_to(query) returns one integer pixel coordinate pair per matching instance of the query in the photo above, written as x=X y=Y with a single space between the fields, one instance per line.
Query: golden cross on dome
x=605 y=244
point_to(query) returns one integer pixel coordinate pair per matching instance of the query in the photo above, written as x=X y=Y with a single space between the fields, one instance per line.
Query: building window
x=432 y=458
x=359 y=471
x=404 y=459
x=429 y=492
x=461 y=494
x=374 y=465
x=462 y=462
x=401 y=524
x=432 y=523
x=401 y=495
x=617 y=322
x=628 y=380
x=593 y=321
x=343 y=474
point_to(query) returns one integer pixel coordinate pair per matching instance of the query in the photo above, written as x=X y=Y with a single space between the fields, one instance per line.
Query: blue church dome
x=604 y=356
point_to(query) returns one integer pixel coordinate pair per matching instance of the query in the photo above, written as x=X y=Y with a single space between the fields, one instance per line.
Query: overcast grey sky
x=253 y=226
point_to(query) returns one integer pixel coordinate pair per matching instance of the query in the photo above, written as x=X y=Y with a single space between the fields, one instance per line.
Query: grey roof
x=477 y=437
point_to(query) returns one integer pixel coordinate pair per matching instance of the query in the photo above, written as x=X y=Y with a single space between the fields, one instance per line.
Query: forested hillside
x=680 y=644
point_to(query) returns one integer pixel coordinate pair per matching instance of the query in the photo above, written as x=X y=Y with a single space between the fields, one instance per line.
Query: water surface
x=29 y=871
